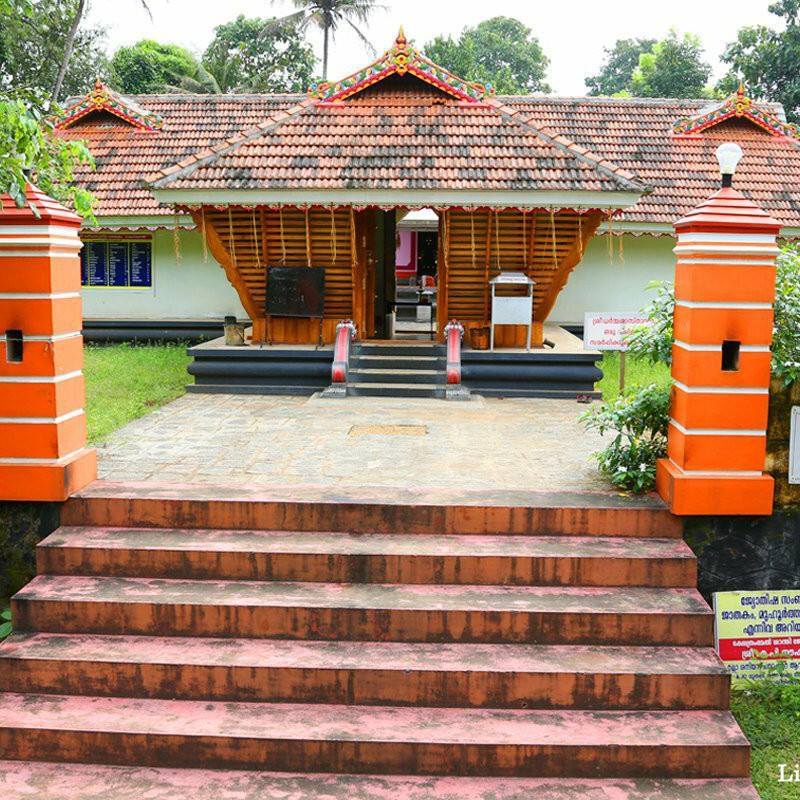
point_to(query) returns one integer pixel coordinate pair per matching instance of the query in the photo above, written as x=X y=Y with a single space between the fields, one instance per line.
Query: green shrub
x=639 y=421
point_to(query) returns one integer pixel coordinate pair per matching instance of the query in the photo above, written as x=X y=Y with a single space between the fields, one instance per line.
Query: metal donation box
x=512 y=309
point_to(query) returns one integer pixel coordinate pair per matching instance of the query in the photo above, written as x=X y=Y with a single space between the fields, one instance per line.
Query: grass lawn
x=770 y=717
x=124 y=382
x=638 y=372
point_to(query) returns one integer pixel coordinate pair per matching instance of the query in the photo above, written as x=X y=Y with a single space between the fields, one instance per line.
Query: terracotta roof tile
x=416 y=139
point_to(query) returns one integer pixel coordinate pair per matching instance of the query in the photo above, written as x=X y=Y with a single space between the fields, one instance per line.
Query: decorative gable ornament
x=103 y=98
x=401 y=59
x=737 y=106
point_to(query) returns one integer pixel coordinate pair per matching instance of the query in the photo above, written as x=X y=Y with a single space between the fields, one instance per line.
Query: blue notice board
x=96 y=263
x=141 y=265
x=118 y=261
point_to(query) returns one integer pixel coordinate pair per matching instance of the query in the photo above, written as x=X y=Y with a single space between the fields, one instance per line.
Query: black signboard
x=118 y=258
x=141 y=265
x=295 y=291
x=96 y=263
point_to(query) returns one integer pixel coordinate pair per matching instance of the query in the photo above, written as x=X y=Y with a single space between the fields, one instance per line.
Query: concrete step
x=367 y=558
x=401 y=349
x=365 y=612
x=368 y=739
x=398 y=362
x=365 y=673
x=361 y=375
x=429 y=390
x=25 y=780
x=489 y=511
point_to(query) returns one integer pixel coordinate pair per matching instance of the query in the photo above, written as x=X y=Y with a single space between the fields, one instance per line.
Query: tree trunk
x=68 y=47
x=325 y=32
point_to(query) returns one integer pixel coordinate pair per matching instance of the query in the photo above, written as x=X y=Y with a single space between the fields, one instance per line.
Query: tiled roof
x=125 y=154
x=400 y=134
x=637 y=134
x=443 y=142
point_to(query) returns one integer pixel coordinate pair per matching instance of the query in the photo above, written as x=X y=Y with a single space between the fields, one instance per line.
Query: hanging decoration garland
x=176 y=240
x=203 y=233
x=610 y=238
x=230 y=235
x=497 y=239
x=472 y=233
x=621 y=238
x=524 y=241
x=283 y=238
x=333 y=234
x=308 y=239
x=255 y=238
x=553 y=237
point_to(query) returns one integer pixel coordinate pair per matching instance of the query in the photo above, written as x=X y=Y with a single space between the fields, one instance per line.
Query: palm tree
x=328 y=16
x=69 y=44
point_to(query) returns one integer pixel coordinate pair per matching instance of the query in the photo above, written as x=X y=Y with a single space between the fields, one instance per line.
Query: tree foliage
x=766 y=60
x=149 y=67
x=253 y=55
x=32 y=41
x=501 y=52
x=30 y=153
x=620 y=62
x=674 y=67
x=329 y=16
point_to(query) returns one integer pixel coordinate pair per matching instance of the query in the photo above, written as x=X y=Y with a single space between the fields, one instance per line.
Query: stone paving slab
x=395 y=444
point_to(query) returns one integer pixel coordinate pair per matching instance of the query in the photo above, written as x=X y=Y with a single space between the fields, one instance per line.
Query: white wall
x=192 y=289
x=195 y=289
x=597 y=284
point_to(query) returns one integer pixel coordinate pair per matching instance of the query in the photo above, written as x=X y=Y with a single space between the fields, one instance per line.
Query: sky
x=572 y=33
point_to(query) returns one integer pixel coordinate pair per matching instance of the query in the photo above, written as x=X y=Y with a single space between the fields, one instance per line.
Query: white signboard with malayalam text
x=605 y=330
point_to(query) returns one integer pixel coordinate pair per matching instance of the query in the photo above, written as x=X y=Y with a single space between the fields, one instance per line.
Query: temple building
x=411 y=189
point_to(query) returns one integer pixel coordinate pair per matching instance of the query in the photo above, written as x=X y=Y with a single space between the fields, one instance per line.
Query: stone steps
x=48 y=781
x=368 y=612
x=367 y=558
x=319 y=647
x=380 y=740
x=365 y=673
x=105 y=504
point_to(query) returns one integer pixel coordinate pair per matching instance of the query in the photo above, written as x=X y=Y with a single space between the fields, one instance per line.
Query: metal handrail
x=345 y=333
x=454 y=333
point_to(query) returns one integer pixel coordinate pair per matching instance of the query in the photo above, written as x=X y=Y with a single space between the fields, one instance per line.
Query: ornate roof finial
x=401 y=41
x=102 y=98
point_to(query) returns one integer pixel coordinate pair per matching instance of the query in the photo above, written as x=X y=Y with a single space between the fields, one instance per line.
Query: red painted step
x=367 y=558
x=373 y=739
x=361 y=511
x=28 y=780
x=366 y=673
x=381 y=612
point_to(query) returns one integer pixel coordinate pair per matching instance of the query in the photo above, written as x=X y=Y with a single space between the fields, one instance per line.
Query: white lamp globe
x=728 y=156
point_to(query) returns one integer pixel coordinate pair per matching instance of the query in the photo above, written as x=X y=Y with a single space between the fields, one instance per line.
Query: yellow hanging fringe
x=497 y=239
x=621 y=250
x=255 y=238
x=308 y=240
x=553 y=237
x=203 y=233
x=472 y=233
x=231 y=237
x=525 y=241
x=283 y=240
x=610 y=238
x=176 y=241
x=333 y=234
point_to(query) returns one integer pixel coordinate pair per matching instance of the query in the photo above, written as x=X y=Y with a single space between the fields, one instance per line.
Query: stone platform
x=388 y=446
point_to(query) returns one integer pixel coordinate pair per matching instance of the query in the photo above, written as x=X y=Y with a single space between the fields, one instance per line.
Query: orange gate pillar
x=43 y=453
x=724 y=290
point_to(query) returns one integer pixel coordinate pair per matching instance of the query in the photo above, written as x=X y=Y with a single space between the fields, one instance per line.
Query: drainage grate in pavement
x=388 y=430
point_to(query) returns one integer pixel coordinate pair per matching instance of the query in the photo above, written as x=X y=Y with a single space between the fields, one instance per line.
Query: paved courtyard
x=378 y=443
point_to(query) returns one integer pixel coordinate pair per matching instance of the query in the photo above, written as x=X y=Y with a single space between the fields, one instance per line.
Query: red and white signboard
x=605 y=330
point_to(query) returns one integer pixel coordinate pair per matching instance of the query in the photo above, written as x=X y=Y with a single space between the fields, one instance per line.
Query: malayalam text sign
x=757 y=631
x=605 y=330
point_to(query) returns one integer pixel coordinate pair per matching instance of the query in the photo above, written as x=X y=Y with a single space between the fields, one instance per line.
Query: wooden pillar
x=43 y=453
x=724 y=290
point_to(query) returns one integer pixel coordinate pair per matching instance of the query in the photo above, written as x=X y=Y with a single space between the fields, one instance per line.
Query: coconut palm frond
x=366 y=42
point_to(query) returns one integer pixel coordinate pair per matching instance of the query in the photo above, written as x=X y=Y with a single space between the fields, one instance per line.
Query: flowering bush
x=639 y=420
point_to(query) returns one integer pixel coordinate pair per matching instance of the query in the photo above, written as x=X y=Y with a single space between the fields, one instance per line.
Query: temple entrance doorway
x=416 y=274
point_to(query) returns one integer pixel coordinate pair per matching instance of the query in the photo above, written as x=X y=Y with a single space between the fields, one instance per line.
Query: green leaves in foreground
x=5 y=623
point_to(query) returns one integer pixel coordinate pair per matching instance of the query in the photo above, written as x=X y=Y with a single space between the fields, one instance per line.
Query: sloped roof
x=637 y=134
x=402 y=133
x=407 y=133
